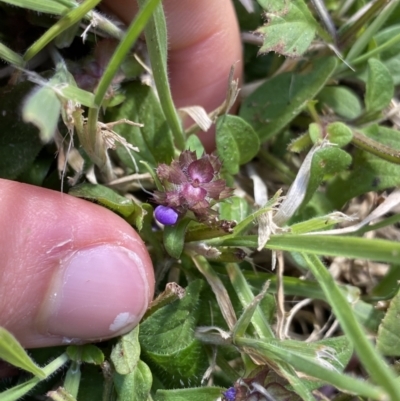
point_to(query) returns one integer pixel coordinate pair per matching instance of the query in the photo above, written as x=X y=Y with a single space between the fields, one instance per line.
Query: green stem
x=271 y=352
x=384 y=223
x=94 y=142
x=71 y=18
x=246 y=296
x=349 y=34
x=156 y=39
x=286 y=174
x=351 y=247
x=376 y=148
x=390 y=43
x=73 y=379
x=372 y=362
x=123 y=48
x=368 y=34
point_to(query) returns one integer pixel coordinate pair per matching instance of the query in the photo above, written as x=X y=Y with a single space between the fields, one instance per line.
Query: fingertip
x=71 y=271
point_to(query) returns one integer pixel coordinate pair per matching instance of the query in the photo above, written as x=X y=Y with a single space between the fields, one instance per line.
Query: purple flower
x=230 y=394
x=166 y=215
x=192 y=184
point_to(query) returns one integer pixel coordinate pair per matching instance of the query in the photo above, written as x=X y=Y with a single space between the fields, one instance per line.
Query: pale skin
x=45 y=231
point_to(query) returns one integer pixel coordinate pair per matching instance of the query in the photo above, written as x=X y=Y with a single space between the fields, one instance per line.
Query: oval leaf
x=237 y=142
x=279 y=100
x=380 y=88
x=136 y=385
x=87 y=353
x=388 y=341
x=154 y=139
x=174 y=237
x=125 y=355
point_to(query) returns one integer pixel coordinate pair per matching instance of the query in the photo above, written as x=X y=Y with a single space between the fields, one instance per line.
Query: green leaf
x=71 y=384
x=316 y=134
x=10 y=56
x=368 y=172
x=237 y=143
x=306 y=140
x=380 y=88
x=388 y=340
x=339 y=133
x=351 y=247
x=338 y=350
x=252 y=311
x=289 y=31
x=73 y=16
x=157 y=47
x=136 y=385
x=87 y=353
x=279 y=100
x=328 y=160
x=234 y=208
x=69 y=91
x=154 y=139
x=43 y=6
x=174 y=237
x=313 y=367
x=19 y=142
x=125 y=355
x=16 y=392
x=384 y=36
x=168 y=342
x=12 y=352
x=372 y=361
x=193 y=143
x=366 y=313
x=388 y=286
x=343 y=101
x=192 y=394
x=65 y=38
x=390 y=37
x=125 y=207
x=42 y=108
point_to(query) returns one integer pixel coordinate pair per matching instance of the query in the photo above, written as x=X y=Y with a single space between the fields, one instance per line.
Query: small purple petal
x=192 y=195
x=230 y=394
x=166 y=215
x=214 y=188
x=201 y=170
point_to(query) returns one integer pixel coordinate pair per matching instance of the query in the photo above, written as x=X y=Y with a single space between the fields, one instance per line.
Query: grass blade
x=373 y=363
x=156 y=38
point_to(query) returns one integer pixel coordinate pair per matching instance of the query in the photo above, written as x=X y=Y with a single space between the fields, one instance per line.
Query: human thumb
x=70 y=271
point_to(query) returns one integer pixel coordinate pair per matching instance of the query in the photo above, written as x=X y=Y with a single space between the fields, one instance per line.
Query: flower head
x=230 y=394
x=192 y=184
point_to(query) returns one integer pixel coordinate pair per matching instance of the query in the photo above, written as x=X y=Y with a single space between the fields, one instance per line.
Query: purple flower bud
x=230 y=394
x=166 y=215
